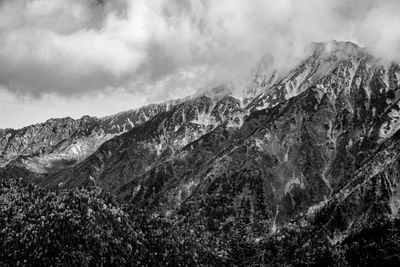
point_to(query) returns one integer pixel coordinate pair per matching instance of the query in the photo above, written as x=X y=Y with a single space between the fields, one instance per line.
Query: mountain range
x=318 y=144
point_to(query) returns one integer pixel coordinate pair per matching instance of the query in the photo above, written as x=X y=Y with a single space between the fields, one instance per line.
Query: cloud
x=169 y=48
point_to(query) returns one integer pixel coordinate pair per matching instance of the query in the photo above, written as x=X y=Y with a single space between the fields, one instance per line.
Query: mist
x=163 y=49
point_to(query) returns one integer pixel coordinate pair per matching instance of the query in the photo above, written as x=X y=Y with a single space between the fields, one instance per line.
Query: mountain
x=262 y=77
x=310 y=154
x=58 y=143
x=123 y=159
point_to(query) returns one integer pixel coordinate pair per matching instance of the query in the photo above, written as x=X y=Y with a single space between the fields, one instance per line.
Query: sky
x=63 y=58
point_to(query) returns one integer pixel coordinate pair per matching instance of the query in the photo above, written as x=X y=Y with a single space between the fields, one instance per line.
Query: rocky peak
x=214 y=91
x=133 y=153
x=321 y=59
x=262 y=77
x=127 y=120
x=42 y=146
x=333 y=47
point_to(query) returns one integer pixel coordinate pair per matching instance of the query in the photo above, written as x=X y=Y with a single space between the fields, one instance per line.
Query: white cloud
x=71 y=47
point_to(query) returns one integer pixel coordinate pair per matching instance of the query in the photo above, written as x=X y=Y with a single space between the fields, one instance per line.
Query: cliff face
x=324 y=134
x=59 y=143
x=127 y=157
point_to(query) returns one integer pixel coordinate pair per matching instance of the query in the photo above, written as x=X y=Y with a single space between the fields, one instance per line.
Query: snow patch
x=259 y=144
x=286 y=157
x=295 y=180
x=273 y=227
x=293 y=87
x=205 y=119
x=131 y=123
x=392 y=125
x=136 y=190
x=158 y=147
x=316 y=208
x=398 y=78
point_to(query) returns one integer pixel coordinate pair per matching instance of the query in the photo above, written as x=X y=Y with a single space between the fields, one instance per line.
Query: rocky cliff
x=59 y=143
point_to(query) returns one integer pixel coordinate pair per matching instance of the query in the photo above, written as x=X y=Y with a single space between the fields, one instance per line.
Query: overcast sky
x=75 y=57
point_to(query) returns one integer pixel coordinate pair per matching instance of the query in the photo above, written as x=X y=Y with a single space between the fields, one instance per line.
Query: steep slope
x=126 y=157
x=369 y=198
x=314 y=143
x=358 y=225
x=284 y=158
x=64 y=142
x=261 y=78
x=275 y=86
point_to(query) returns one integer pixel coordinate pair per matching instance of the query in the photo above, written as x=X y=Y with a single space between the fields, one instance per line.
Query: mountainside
x=128 y=156
x=58 y=143
x=312 y=153
x=313 y=131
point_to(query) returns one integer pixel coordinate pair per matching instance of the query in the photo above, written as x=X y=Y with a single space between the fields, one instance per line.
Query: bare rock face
x=59 y=143
x=322 y=138
x=263 y=76
x=125 y=158
x=289 y=154
x=35 y=139
x=371 y=196
x=324 y=58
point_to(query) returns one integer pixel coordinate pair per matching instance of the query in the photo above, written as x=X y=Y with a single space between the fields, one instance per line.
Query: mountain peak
x=341 y=49
x=214 y=91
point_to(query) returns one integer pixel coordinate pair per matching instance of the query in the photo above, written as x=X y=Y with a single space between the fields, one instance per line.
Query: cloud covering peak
x=168 y=48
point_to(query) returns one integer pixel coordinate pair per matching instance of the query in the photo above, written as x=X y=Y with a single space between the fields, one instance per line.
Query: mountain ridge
x=317 y=146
